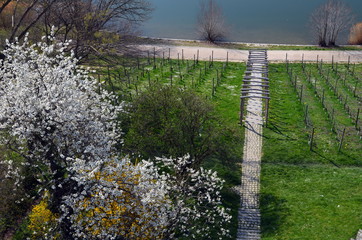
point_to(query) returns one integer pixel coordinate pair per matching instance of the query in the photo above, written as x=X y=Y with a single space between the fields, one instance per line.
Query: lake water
x=260 y=21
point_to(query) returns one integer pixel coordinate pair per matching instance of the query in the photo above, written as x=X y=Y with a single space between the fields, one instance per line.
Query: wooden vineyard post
x=212 y=57
x=341 y=142
x=349 y=60
x=227 y=58
x=149 y=78
x=136 y=86
x=311 y=141
x=197 y=58
x=357 y=118
x=321 y=67
x=154 y=58
x=323 y=98
x=182 y=56
x=333 y=62
x=217 y=77
x=213 y=87
x=335 y=86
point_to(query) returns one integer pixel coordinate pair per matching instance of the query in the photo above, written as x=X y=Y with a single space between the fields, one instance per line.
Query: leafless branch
x=329 y=20
x=211 y=22
x=4 y=4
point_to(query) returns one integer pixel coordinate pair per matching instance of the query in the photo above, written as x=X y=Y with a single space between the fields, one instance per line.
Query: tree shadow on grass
x=273 y=213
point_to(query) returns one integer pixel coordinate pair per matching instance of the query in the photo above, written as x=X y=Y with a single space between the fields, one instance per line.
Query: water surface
x=260 y=21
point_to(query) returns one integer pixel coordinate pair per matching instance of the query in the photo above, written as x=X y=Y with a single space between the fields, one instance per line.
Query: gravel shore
x=233 y=55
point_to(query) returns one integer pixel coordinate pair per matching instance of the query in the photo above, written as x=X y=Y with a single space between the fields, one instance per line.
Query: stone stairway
x=249 y=212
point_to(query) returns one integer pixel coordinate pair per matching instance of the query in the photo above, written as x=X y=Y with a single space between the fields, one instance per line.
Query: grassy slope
x=304 y=195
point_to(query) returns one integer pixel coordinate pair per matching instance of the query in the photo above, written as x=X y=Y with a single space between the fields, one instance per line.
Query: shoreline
x=208 y=52
x=229 y=42
x=145 y=40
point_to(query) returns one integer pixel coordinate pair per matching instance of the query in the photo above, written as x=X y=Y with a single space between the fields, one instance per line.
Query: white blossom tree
x=65 y=130
x=51 y=114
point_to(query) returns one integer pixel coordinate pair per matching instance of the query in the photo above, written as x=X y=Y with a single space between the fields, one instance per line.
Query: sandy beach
x=233 y=55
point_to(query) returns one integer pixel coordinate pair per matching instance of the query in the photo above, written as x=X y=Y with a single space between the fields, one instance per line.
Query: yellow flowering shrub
x=126 y=201
x=42 y=221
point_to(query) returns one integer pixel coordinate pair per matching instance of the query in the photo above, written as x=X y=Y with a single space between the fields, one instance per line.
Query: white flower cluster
x=122 y=199
x=50 y=104
x=197 y=199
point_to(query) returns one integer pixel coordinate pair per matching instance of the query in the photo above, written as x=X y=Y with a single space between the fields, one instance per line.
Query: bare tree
x=92 y=24
x=328 y=20
x=211 y=22
x=17 y=17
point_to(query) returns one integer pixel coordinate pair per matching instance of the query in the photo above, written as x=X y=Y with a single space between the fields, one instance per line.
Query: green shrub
x=169 y=121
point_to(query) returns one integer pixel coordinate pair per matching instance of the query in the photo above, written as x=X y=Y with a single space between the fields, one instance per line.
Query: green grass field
x=309 y=194
x=310 y=202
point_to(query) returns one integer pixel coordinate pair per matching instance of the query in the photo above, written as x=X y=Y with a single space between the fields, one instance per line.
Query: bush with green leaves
x=172 y=122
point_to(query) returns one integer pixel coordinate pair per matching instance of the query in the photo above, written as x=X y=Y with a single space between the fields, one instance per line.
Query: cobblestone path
x=249 y=212
x=359 y=235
